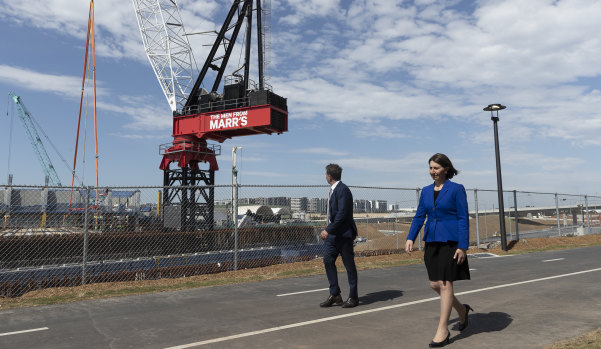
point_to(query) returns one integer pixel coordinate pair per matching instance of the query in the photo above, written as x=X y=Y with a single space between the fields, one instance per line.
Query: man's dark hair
x=445 y=162
x=334 y=171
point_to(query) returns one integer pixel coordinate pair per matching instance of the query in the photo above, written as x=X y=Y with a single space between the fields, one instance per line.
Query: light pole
x=492 y=108
x=235 y=203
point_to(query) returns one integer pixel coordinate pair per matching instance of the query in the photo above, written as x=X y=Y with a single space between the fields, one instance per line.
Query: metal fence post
x=485 y=225
x=85 y=236
x=367 y=229
x=44 y=206
x=557 y=213
x=508 y=219
x=477 y=219
x=8 y=201
x=515 y=210
x=235 y=204
x=395 y=233
x=235 y=213
x=588 y=215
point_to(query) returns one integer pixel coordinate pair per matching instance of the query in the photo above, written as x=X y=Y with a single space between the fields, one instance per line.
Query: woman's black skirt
x=441 y=266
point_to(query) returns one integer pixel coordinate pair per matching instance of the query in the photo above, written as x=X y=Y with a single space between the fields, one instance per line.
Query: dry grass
x=591 y=340
x=113 y=289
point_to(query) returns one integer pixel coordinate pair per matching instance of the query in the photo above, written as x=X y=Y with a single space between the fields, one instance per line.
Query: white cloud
x=138 y=136
x=24 y=78
x=542 y=163
x=410 y=162
x=117 y=33
x=377 y=64
x=263 y=174
x=146 y=114
x=429 y=60
x=380 y=131
x=243 y=158
x=144 y=118
x=310 y=9
x=321 y=151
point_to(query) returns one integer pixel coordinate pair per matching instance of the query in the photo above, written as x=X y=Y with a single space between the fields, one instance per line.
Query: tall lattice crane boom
x=167 y=48
x=36 y=141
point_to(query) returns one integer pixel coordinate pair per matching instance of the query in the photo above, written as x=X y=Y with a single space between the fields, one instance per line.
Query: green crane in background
x=36 y=141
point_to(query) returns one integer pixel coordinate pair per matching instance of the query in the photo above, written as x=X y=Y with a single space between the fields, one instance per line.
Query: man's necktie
x=328 y=208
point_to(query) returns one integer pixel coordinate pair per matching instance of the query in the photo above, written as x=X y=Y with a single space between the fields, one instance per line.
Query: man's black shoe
x=332 y=299
x=351 y=303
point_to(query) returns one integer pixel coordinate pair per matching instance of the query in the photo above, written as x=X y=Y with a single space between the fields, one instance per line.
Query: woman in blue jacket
x=446 y=235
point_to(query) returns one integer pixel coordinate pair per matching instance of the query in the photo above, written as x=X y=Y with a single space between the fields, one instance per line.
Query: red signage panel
x=219 y=125
x=237 y=118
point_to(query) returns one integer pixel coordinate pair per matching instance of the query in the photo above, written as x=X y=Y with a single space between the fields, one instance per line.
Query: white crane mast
x=167 y=48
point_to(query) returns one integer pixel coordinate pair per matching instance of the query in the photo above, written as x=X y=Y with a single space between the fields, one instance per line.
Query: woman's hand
x=460 y=255
x=409 y=246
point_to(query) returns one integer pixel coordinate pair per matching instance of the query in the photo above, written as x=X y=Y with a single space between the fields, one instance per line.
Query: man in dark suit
x=338 y=237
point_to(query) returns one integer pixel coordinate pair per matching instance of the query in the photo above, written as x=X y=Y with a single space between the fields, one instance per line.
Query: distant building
x=299 y=204
x=361 y=205
x=246 y=201
x=370 y=205
x=223 y=202
x=273 y=201
x=317 y=205
x=379 y=206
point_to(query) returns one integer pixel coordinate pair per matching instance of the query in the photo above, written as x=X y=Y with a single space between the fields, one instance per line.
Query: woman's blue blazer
x=448 y=218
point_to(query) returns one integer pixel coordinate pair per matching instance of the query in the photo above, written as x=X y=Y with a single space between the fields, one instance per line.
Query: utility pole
x=235 y=204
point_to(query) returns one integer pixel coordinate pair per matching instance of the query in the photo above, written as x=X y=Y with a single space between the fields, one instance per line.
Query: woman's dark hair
x=445 y=162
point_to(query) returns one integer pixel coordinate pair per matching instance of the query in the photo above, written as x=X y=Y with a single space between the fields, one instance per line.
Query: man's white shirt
x=329 y=195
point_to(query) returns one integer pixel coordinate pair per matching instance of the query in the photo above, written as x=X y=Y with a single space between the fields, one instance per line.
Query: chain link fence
x=57 y=237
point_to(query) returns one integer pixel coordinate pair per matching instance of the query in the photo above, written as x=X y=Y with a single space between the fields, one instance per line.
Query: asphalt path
x=521 y=301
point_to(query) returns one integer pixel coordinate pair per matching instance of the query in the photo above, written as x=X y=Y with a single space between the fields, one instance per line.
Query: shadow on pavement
x=483 y=323
x=380 y=296
x=511 y=244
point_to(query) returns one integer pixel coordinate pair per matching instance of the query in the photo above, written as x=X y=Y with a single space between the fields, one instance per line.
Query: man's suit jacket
x=341 y=219
x=448 y=218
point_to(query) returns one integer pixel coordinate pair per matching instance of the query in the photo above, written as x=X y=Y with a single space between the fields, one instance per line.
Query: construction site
x=68 y=223
x=56 y=235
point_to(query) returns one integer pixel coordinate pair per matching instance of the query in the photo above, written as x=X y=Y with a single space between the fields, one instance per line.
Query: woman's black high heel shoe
x=434 y=344
x=463 y=325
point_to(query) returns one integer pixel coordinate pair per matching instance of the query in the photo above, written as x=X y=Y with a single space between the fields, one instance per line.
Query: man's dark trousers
x=335 y=246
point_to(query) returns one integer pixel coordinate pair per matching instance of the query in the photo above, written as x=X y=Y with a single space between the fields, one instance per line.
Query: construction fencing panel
x=51 y=237
x=531 y=215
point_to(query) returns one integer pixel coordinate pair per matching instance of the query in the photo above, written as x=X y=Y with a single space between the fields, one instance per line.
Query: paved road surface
x=523 y=301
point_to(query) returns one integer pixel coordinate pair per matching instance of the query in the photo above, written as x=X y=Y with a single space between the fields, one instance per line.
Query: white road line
x=472 y=269
x=293 y=293
x=24 y=331
x=553 y=260
x=311 y=322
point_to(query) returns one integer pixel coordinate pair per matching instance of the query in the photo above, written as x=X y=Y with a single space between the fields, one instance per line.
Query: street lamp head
x=493 y=107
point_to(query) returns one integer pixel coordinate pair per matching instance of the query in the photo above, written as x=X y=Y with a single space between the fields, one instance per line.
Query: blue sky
x=376 y=86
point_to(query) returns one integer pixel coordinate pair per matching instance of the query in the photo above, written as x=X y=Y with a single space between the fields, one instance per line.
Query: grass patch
x=280 y=271
x=550 y=248
x=299 y=272
x=590 y=340
x=389 y=264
